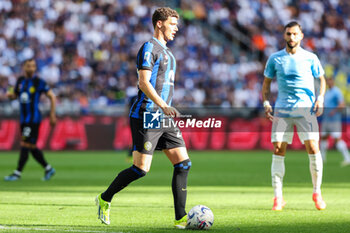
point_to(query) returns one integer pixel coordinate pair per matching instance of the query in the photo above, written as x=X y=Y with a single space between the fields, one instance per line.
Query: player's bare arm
x=147 y=88
x=318 y=108
x=266 y=89
x=52 y=99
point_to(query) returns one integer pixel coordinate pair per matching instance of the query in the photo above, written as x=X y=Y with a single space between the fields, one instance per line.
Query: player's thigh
x=325 y=129
x=173 y=145
x=144 y=140
x=336 y=135
x=176 y=155
x=282 y=130
x=29 y=134
x=142 y=161
x=336 y=130
x=307 y=128
x=27 y=145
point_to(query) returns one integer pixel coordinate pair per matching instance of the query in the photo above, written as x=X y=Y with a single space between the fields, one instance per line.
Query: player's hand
x=53 y=119
x=10 y=94
x=318 y=108
x=268 y=111
x=333 y=112
x=170 y=111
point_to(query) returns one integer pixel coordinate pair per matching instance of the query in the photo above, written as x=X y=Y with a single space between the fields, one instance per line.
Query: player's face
x=169 y=28
x=293 y=36
x=29 y=68
x=330 y=82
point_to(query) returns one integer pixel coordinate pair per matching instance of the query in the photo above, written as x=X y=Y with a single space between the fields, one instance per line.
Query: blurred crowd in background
x=86 y=50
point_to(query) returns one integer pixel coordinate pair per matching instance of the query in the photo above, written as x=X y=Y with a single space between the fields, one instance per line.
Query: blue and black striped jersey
x=158 y=58
x=28 y=91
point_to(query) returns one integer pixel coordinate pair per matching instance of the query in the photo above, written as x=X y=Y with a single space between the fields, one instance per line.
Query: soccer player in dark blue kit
x=156 y=66
x=28 y=89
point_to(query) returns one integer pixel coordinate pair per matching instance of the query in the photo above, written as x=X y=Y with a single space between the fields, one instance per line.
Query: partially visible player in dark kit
x=28 y=90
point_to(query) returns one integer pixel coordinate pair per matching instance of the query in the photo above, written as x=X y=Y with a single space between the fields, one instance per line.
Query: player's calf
x=179 y=188
x=123 y=179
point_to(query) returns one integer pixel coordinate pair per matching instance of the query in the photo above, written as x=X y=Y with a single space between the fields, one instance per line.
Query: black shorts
x=30 y=132
x=146 y=141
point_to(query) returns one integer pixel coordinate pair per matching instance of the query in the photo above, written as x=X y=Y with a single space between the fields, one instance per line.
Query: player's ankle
x=48 y=167
x=17 y=173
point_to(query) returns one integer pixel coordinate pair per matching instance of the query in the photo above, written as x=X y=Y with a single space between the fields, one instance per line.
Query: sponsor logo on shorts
x=148 y=145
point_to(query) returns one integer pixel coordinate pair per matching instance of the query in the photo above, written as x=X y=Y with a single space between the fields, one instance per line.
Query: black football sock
x=23 y=158
x=179 y=187
x=123 y=179
x=39 y=157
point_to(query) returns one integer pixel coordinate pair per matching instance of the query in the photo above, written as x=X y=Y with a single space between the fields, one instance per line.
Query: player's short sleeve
x=43 y=86
x=339 y=96
x=316 y=68
x=270 y=71
x=146 y=57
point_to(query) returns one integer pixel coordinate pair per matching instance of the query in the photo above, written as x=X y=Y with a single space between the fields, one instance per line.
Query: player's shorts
x=30 y=132
x=283 y=129
x=332 y=128
x=146 y=141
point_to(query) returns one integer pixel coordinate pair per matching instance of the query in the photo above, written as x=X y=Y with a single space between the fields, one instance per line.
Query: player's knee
x=142 y=167
x=279 y=150
x=184 y=165
x=313 y=148
x=140 y=172
x=27 y=145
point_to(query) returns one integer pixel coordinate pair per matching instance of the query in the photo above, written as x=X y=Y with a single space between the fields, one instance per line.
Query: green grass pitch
x=236 y=185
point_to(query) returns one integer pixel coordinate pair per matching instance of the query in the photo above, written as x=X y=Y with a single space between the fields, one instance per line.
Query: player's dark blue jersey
x=28 y=91
x=156 y=57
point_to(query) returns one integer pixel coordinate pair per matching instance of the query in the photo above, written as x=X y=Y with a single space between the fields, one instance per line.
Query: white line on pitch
x=53 y=229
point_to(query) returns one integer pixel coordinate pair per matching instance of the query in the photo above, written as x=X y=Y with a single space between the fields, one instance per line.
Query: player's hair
x=292 y=24
x=162 y=14
x=27 y=60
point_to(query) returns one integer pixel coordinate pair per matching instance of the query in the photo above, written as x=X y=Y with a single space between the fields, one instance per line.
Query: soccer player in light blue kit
x=331 y=122
x=295 y=70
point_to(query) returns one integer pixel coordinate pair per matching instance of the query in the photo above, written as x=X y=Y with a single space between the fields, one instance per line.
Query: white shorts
x=333 y=128
x=283 y=129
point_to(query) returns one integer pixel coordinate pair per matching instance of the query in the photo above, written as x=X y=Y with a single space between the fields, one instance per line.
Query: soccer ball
x=200 y=217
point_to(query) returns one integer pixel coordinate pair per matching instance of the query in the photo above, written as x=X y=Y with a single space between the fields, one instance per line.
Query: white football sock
x=316 y=170
x=324 y=148
x=48 y=167
x=277 y=173
x=341 y=146
x=16 y=172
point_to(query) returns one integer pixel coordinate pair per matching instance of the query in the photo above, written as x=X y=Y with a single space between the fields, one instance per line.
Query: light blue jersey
x=332 y=99
x=295 y=74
